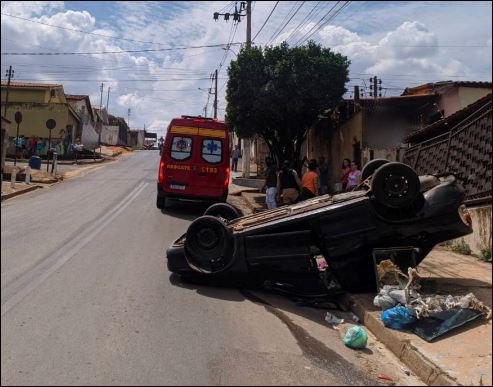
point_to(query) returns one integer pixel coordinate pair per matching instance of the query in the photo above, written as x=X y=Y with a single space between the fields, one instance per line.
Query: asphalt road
x=87 y=300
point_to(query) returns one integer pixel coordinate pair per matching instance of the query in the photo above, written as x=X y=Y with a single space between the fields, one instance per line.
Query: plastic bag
x=398 y=317
x=355 y=337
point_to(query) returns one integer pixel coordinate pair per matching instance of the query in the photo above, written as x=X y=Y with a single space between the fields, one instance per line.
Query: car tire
x=209 y=245
x=370 y=168
x=395 y=185
x=161 y=202
x=223 y=210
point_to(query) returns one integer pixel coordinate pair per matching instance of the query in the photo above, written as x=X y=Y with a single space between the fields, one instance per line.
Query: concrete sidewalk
x=461 y=357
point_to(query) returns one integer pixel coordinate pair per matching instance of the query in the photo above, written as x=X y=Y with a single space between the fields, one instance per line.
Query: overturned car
x=392 y=207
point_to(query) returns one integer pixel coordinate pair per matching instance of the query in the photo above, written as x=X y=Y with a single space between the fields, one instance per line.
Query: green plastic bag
x=355 y=337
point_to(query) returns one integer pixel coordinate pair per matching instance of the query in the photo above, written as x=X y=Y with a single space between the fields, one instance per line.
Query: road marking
x=25 y=284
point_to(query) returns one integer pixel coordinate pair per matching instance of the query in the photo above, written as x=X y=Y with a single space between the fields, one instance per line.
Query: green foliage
x=461 y=247
x=278 y=92
x=485 y=253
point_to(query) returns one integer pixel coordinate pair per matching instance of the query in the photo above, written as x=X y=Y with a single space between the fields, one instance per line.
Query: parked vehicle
x=392 y=207
x=194 y=162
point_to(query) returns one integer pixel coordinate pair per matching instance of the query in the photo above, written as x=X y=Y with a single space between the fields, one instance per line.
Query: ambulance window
x=181 y=148
x=212 y=150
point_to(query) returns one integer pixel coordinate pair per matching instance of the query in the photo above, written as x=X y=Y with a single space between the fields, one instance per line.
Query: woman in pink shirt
x=354 y=177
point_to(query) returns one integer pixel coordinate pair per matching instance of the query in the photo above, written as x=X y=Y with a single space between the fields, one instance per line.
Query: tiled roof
x=75 y=97
x=430 y=88
x=443 y=125
x=28 y=85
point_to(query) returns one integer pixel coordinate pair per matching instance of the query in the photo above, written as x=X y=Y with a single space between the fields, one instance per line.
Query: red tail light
x=160 y=177
x=226 y=181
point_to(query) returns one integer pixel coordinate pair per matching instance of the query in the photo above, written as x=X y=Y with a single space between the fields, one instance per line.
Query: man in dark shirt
x=270 y=183
x=288 y=184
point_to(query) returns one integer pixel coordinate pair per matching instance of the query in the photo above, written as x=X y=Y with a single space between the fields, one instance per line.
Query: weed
x=485 y=253
x=461 y=247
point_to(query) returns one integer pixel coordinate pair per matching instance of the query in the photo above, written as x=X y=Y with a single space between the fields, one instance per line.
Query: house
x=366 y=129
x=136 y=138
x=370 y=128
x=118 y=129
x=462 y=143
x=38 y=103
x=454 y=96
x=86 y=129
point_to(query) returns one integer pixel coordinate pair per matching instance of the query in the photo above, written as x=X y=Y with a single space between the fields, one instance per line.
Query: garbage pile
x=429 y=316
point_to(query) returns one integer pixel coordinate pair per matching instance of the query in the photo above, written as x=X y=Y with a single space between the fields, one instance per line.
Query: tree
x=278 y=92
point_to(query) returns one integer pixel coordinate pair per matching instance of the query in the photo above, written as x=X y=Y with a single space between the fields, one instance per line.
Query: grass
x=461 y=247
x=485 y=253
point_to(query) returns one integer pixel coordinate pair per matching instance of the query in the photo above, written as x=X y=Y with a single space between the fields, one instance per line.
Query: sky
x=156 y=59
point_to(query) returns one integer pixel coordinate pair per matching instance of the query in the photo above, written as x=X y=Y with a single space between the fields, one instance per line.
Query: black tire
x=395 y=185
x=370 y=168
x=160 y=202
x=223 y=210
x=209 y=245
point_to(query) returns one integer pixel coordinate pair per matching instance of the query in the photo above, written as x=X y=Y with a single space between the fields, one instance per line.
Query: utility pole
x=128 y=115
x=237 y=18
x=99 y=117
x=10 y=74
x=215 y=95
x=376 y=90
x=246 y=141
x=108 y=101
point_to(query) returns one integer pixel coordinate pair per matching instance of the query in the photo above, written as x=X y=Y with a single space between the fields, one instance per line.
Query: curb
x=429 y=372
x=23 y=191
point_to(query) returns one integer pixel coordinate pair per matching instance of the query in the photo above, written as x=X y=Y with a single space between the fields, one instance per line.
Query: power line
x=266 y=20
x=325 y=19
x=81 y=31
x=118 y=52
x=291 y=18
x=303 y=22
x=275 y=34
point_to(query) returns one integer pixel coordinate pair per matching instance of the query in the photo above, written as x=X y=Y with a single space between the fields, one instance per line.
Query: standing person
x=346 y=168
x=270 y=184
x=323 y=176
x=288 y=184
x=354 y=177
x=235 y=155
x=309 y=182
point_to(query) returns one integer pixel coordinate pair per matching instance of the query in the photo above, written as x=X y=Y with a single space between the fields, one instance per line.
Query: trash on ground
x=355 y=318
x=406 y=371
x=333 y=320
x=355 y=337
x=386 y=378
x=399 y=317
x=428 y=316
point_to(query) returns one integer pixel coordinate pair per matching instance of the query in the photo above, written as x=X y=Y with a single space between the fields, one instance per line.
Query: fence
x=464 y=150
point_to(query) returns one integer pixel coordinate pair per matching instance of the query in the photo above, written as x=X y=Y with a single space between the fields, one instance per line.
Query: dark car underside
x=281 y=244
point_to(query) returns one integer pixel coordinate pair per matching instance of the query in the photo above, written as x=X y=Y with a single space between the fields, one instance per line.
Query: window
x=212 y=150
x=181 y=148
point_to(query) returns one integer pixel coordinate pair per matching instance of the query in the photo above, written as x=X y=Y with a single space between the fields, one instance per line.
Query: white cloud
x=383 y=39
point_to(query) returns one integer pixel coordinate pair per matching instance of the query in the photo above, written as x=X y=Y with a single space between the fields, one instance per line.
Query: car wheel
x=223 y=210
x=395 y=185
x=161 y=202
x=209 y=245
x=370 y=168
